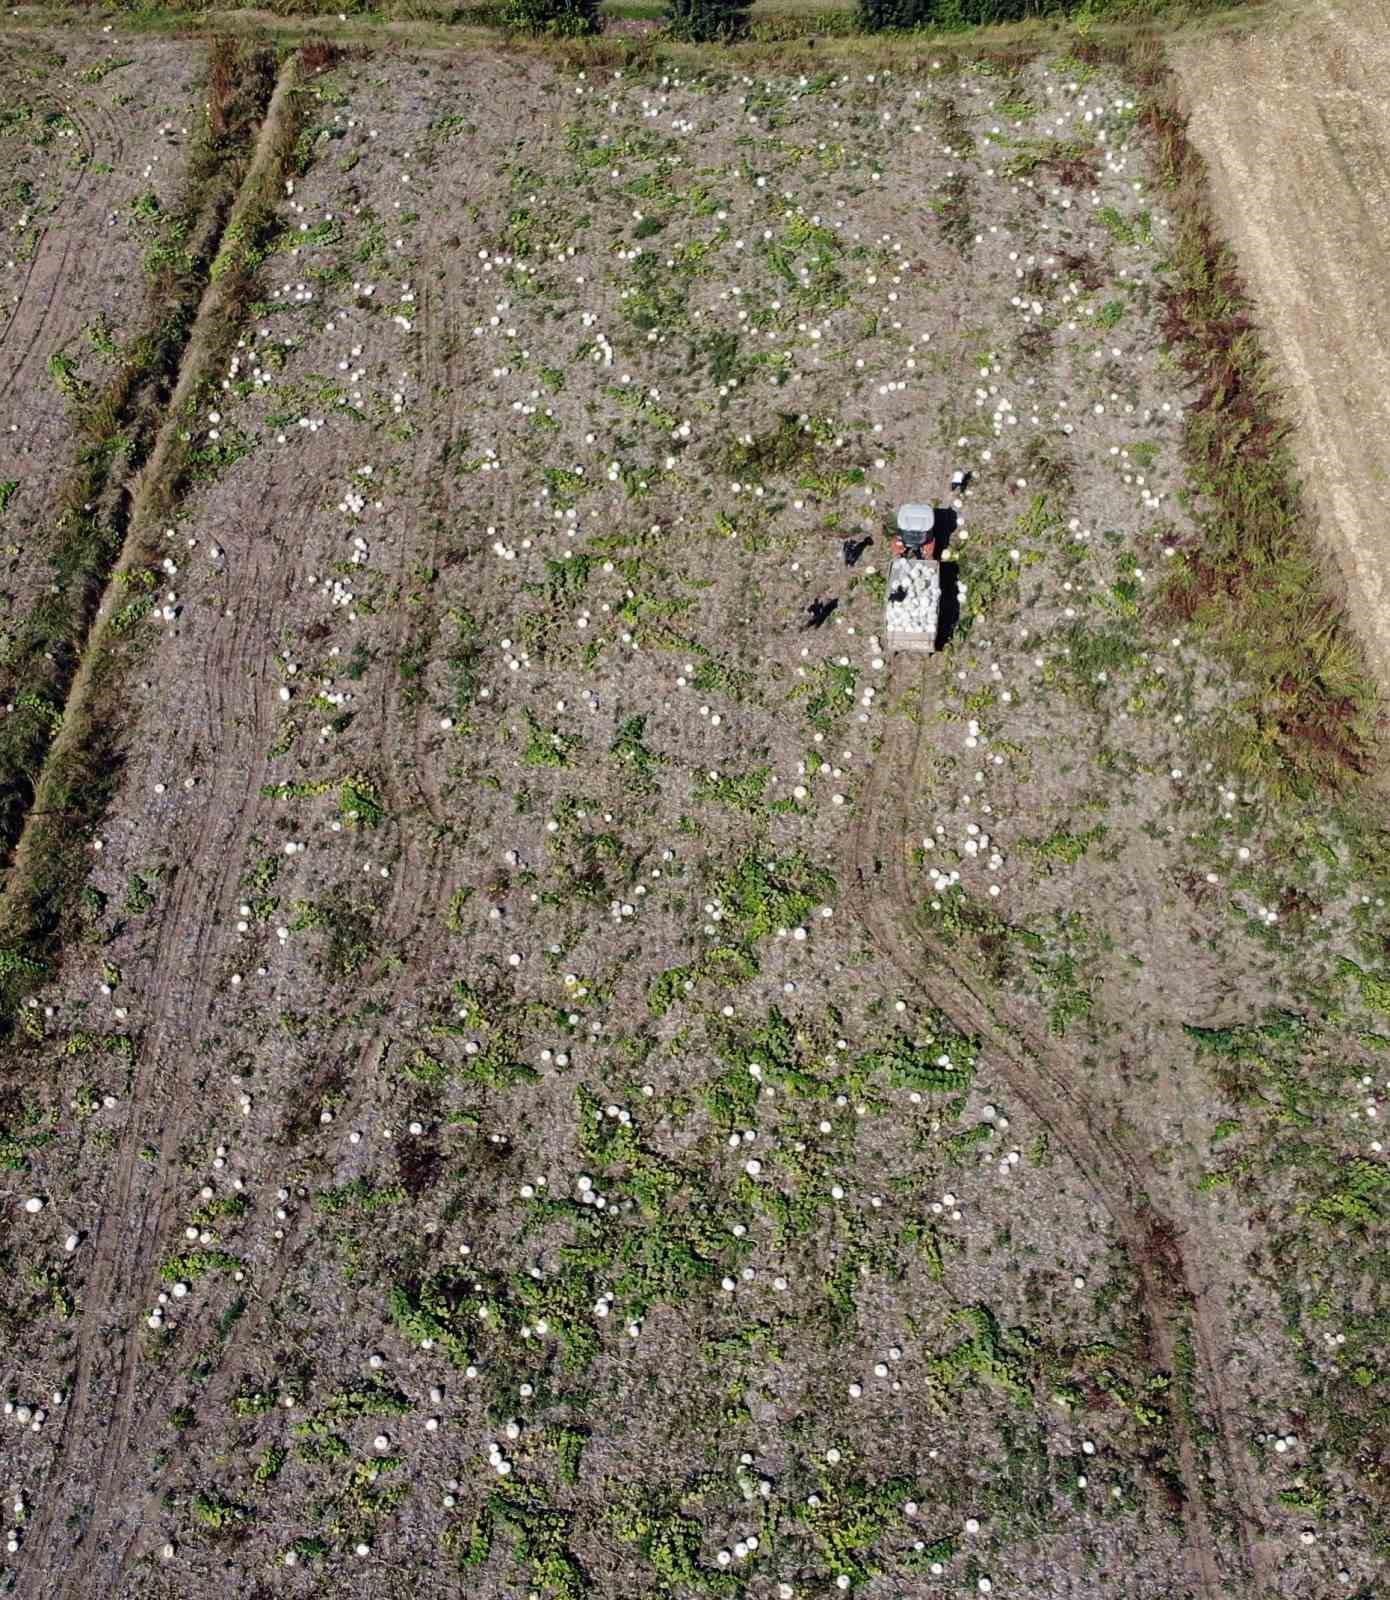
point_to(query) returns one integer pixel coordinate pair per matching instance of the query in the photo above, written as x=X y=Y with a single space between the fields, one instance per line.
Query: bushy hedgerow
x=562 y=18
x=703 y=21
x=881 y=16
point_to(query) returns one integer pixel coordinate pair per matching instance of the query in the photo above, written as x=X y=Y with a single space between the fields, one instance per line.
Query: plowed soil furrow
x=1043 y=1077
x=139 y=1503
x=416 y=891
x=45 y=320
x=87 y=294
x=187 y=946
x=235 y=728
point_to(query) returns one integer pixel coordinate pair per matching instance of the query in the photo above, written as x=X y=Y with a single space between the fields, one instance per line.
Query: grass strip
x=769 y=21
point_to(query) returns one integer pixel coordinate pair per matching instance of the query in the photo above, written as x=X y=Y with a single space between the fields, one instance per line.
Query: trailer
x=913 y=608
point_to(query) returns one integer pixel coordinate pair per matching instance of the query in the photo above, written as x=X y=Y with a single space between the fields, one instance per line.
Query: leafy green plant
x=360 y=1194
x=104 y=68
x=670 y=1542
x=215 y=1511
x=194 y=1264
x=848 y=1518
x=440 y=1308
x=986 y=1353
x=63 y=370
x=630 y=750
x=743 y=791
x=549 y=747
x=707 y=21
x=541 y=1538
x=943 y=1064
x=569 y=1444
x=360 y=802
x=368 y=1400
x=1063 y=846
x=1361 y=1196
x=472 y=1545
x=559 y=18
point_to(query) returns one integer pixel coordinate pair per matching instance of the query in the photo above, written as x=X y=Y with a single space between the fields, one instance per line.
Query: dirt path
x=1294 y=124
x=1040 y=1073
x=135 y=1216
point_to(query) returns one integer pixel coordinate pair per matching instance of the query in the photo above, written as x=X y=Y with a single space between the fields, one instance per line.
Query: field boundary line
x=114 y=423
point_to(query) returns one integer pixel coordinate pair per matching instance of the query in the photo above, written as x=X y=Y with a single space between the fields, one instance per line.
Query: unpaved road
x=1294 y=123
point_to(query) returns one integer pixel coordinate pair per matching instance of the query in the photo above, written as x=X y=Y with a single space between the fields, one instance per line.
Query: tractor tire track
x=417 y=885
x=136 y=1226
x=183 y=1004
x=142 y=1503
x=412 y=790
x=42 y=308
x=415 y=882
x=40 y=313
x=1041 y=1076
x=186 y=1000
x=441 y=374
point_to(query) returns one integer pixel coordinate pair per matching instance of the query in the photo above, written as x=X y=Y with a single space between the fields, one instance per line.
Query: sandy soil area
x=1294 y=123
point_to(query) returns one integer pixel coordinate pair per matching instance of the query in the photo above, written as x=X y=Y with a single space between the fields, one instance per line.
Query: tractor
x=913 y=610
x=914 y=583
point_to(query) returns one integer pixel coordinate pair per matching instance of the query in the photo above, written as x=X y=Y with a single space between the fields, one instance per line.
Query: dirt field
x=91 y=158
x=1299 y=161
x=580 y=1077
x=90 y=152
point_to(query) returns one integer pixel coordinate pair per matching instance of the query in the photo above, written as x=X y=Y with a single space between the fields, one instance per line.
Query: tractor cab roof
x=916 y=519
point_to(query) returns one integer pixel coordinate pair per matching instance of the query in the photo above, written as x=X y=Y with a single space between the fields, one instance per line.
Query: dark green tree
x=884 y=16
x=707 y=21
x=560 y=18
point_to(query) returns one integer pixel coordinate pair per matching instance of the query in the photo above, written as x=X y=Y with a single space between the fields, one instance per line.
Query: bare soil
x=88 y=133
